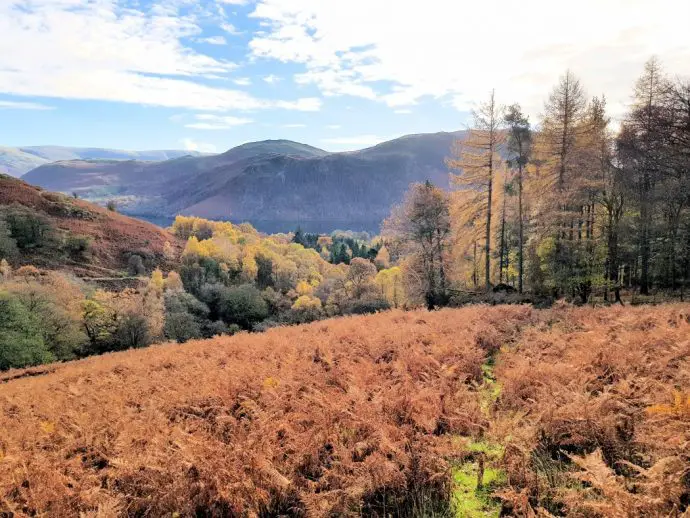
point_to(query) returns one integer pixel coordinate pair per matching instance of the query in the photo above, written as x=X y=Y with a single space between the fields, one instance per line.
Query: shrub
x=362 y=307
x=21 y=340
x=181 y=327
x=28 y=229
x=243 y=305
x=132 y=332
x=135 y=265
x=8 y=245
x=111 y=206
x=78 y=247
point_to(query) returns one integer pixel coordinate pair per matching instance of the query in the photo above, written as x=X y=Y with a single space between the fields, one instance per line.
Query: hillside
x=275 y=185
x=15 y=161
x=470 y=412
x=73 y=234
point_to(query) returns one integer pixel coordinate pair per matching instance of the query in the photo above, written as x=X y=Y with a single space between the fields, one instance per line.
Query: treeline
x=228 y=278
x=564 y=209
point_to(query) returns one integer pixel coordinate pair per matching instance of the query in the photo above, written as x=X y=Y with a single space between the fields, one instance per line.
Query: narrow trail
x=476 y=479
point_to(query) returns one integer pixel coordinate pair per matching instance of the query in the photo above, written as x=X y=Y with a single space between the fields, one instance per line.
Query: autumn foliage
x=348 y=416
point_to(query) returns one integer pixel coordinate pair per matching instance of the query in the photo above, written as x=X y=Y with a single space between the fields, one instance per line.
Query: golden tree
x=476 y=159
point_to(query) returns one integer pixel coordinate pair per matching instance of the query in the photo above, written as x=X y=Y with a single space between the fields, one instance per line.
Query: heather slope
x=112 y=237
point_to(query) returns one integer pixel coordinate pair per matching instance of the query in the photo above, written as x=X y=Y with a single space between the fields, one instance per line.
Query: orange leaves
x=680 y=407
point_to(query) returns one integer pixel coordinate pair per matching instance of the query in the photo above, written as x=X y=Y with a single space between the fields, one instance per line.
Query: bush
x=21 y=340
x=181 y=327
x=8 y=245
x=132 y=332
x=135 y=265
x=78 y=247
x=28 y=229
x=362 y=307
x=111 y=206
x=218 y=328
x=243 y=305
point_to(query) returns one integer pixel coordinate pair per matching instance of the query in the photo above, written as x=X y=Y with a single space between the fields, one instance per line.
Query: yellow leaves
x=679 y=408
x=390 y=284
x=271 y=382
x=305 y=302
x=205 y=248
x=47 y=427
x=157 y=281
x=304 y=288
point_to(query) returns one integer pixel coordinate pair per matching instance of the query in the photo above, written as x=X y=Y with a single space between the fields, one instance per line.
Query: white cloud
x=233 y=2
x=271 y=79
x=402 y=111
x=242 y=81
x=333 y=126
x=459 y=51
x=355 y=142
x=217 y=122
x=307 y=104
x=109 y=51
x=21 y=105
x=294 y=125
x=193 y=145
x=214 y=40
x=230 y=29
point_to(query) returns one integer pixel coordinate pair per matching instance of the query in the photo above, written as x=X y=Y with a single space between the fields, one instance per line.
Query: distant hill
x=64 y=222
x=15 y=161
x=275 y=184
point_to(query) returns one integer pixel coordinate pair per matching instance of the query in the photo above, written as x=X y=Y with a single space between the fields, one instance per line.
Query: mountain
x=275 y=184
x=55 y=231
x=15 y=161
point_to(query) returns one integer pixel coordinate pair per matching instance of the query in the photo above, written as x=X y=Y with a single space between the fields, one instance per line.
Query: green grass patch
x=470 y=502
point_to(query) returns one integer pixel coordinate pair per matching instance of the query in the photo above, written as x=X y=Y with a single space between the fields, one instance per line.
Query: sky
x=207 y=75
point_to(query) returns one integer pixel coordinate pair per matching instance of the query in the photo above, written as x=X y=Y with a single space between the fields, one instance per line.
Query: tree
x=242 y=305
x=132 y=332
x=8 y=245
x=476 y=159
x=135 y=265
x=360 y=275
x=21 y=341
x=519 y=149
x=641 y=144
x=421 y=228
x=558 y=148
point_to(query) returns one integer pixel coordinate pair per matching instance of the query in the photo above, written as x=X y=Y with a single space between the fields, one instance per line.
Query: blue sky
x=211 y=74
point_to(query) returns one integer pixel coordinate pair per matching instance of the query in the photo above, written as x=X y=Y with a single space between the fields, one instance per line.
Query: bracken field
x=480 y=411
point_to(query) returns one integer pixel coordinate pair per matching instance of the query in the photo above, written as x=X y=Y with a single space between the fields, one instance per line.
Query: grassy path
x=478 y=477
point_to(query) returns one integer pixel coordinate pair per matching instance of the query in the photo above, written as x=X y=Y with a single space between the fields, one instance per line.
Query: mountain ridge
x=278 y=181
x=17 y=161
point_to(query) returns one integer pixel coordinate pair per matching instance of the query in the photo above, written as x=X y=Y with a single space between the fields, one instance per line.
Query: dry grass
x=338 y=417
x=592 y=414
x=361 y=416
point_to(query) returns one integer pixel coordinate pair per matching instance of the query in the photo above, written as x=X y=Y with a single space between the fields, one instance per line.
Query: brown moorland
x=363 y=416
x=113 y=236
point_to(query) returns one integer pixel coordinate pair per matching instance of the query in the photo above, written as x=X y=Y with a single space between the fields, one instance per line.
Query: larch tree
x=519 y=149
x=476 y=160
x=558 y=149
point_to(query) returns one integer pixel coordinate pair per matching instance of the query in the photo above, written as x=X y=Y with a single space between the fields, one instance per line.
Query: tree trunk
x=521 y=243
